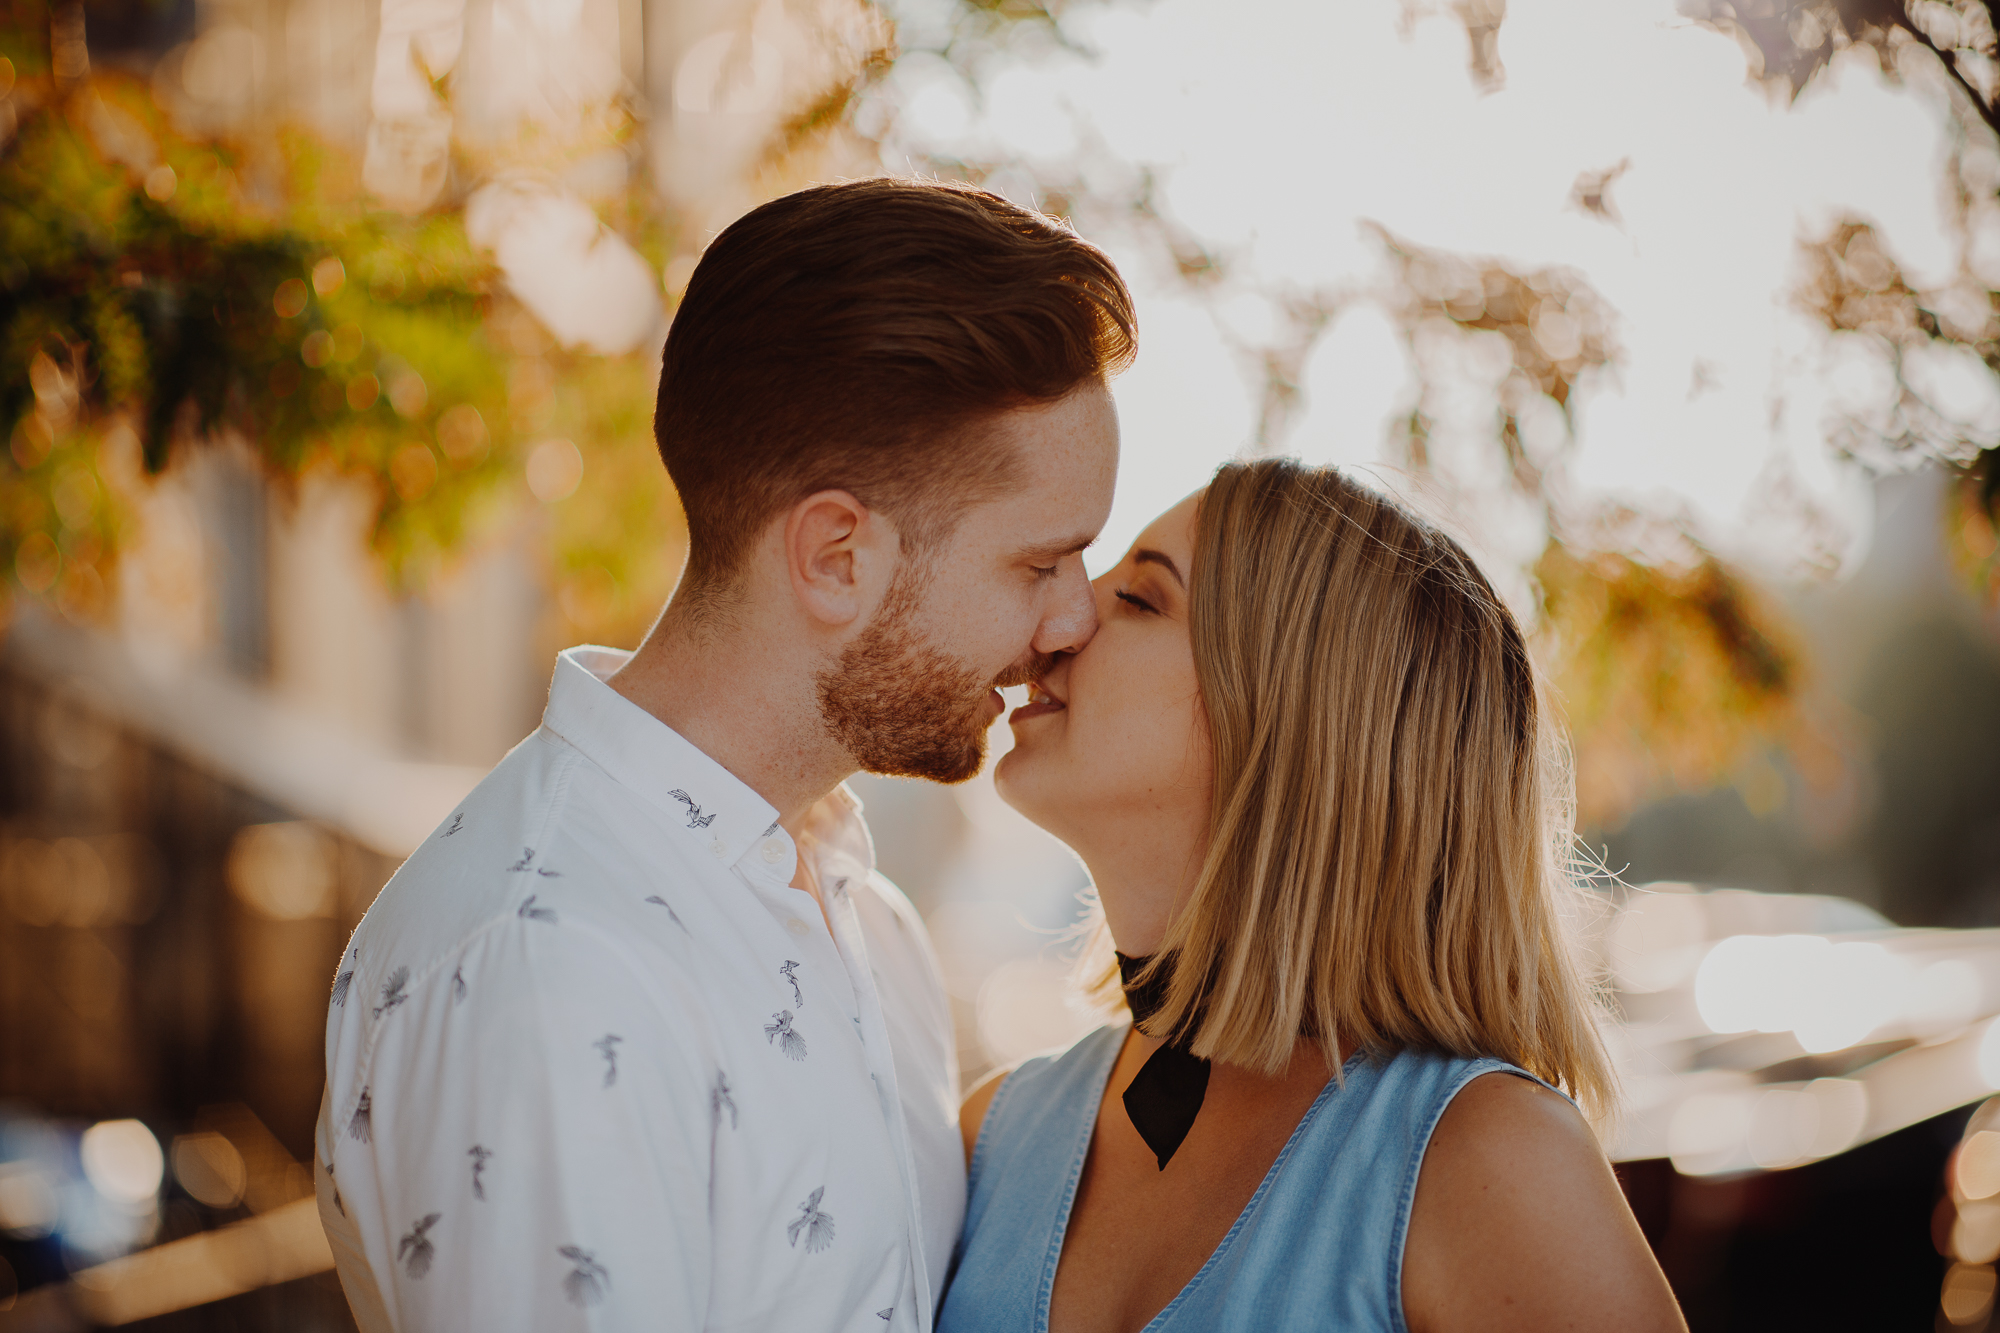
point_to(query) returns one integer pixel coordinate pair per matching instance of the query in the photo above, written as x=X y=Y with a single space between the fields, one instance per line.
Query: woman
x=1305 y=761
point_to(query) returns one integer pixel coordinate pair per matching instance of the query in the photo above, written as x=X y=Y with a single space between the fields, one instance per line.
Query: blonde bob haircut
x=1390 y=838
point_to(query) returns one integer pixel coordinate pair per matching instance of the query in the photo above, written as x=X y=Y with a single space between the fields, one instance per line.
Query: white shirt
x=592 y=1063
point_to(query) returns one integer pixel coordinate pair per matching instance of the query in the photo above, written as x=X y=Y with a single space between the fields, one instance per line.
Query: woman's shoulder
x=1517 y=1191
x=1508 y=1128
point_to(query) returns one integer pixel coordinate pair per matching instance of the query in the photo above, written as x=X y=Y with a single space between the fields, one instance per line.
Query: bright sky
x=1278 y=127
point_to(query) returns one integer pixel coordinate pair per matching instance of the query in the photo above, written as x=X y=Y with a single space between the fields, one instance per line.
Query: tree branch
x=1979 y=103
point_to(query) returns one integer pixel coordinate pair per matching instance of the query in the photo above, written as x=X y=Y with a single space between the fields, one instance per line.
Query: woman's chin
x=1019 y=778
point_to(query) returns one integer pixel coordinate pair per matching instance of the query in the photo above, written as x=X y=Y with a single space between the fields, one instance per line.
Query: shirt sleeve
x=535 y=1141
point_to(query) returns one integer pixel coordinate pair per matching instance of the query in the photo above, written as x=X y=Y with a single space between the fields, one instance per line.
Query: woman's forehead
x=1173 y=531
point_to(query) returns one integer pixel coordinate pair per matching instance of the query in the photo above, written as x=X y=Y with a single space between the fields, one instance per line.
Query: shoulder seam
x=371 y=1044
x=559 y=793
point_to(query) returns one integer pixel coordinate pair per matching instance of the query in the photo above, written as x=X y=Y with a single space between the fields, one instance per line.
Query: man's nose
x=1071 y=620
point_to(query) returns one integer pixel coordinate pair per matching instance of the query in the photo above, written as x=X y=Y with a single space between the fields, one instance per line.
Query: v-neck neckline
x=1081 y=1155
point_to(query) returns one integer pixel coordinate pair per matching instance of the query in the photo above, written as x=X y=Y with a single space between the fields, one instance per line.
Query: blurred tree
x=1851 y=283
x=155 y=291
x=158 y=292
x=1671 y=669
x=1674 y=670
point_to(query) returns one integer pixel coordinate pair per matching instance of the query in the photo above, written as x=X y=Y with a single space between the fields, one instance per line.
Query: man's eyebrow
x=1057 y=549
x=1145 y=556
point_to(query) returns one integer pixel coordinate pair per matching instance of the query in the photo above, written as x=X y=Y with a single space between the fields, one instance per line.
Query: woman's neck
x=1143 y=871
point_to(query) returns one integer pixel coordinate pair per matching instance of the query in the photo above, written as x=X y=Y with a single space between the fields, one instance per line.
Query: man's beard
x=902 y=707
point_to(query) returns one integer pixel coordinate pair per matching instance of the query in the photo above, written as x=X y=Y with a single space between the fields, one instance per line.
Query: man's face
x=913 y=694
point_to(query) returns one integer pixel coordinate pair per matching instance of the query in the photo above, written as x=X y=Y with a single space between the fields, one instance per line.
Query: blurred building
x=201 y=795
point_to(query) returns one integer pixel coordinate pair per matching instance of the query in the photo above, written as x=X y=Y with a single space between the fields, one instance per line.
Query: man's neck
x=749 y=707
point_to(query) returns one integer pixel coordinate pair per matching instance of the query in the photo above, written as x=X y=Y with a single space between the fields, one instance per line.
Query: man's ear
x=839 y=554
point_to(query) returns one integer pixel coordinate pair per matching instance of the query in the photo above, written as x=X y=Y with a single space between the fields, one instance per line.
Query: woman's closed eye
x=1139 y=602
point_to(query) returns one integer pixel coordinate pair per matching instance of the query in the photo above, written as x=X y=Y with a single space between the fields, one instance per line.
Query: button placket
x=848 y=939
x=876 y=1051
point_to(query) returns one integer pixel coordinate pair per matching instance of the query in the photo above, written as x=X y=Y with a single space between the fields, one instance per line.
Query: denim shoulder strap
x=1025 y=1165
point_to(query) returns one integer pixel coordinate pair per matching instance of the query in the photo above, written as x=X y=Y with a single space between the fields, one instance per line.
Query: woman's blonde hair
x=1390 y=839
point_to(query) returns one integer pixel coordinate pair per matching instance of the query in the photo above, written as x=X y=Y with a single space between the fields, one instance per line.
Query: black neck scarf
x=1166 y=1095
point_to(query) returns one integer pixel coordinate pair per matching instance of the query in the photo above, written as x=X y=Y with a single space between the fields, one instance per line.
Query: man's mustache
x=1027 y=672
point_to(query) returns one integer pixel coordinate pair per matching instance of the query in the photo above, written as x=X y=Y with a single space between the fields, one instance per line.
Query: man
x=638 y=1038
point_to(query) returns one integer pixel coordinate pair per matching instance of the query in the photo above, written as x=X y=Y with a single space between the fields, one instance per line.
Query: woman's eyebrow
x=1145 y=556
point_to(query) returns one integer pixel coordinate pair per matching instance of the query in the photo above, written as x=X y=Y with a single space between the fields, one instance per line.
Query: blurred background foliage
x=151 y=294
x=1849 y=280
x=1676 y=672
x=159 y=290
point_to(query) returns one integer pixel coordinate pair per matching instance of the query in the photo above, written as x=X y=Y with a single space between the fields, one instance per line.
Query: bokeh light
x=209 y=1168
x=122 y=1161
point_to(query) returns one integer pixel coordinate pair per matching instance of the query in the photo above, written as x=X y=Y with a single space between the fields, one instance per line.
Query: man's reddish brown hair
x=851 y=336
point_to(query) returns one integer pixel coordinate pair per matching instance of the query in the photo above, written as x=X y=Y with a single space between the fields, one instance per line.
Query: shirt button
x=717 y=847
x=774 y=851
x=798 y=927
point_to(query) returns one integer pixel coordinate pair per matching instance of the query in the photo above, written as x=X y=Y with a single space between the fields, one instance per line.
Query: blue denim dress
x=1319 y=1246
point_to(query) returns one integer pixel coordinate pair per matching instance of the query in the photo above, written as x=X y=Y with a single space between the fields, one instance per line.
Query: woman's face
x=1111 y=752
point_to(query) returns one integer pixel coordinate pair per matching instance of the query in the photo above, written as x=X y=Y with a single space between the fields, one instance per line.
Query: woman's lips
x=1040 y=703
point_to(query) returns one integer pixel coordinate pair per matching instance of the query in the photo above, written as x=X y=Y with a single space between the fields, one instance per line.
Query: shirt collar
x=701 y=799
x=836 y=824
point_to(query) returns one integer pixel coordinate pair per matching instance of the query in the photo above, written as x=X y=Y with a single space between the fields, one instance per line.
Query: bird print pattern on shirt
x=394 y=993
x=526 y=866
x=436 y=1090
x=417 y=1251
x=815 y=1225
x=336 y=1190
x=696 y=819
x=587 y=1280
x=342 y=982
x=886 y=1315
x=480 y=1155
x=790 y=1042
x=658 y=901
x=607 y=1046
x=719 y=1098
